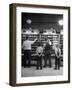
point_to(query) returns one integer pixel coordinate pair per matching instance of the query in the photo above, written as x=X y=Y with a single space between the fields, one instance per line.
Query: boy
x=39 y=52
x=57 y=57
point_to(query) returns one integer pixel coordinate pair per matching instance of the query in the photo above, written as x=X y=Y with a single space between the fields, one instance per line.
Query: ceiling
x=41 y=17
x=41 y=21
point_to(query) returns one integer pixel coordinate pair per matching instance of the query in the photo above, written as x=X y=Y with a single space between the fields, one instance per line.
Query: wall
x=4 y=45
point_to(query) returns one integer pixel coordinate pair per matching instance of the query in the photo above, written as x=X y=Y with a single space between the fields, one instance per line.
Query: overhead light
x=60 y=22
x=29 y=21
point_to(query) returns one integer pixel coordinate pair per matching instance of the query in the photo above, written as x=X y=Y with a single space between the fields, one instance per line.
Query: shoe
x=40 y=68
x=24 y=66
x=44 y=66
x=29 y=66
x=37 y=68
x=55 y=68
x=58 y=68
x=50 y=66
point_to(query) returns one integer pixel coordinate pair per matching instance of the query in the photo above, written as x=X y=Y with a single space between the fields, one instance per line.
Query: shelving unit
x=53 y=38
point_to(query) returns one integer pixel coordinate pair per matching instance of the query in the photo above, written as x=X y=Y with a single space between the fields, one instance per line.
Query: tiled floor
x=29 y=72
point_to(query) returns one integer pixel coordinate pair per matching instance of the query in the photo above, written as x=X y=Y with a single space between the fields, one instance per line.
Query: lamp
x=29 y=21
x=60 y=22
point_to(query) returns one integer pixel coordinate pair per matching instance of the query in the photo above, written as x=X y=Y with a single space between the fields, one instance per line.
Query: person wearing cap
x=27 y=50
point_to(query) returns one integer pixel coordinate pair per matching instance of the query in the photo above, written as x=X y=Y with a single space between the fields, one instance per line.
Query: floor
x=31 y=72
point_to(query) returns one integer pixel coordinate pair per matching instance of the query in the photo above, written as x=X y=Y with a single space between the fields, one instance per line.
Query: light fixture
x=29 y=21
x=60 y=22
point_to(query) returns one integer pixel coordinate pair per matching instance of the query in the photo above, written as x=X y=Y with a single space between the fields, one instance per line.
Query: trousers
x=39 y=62
x=47 y=58
x=57 y=62
x=27 y=58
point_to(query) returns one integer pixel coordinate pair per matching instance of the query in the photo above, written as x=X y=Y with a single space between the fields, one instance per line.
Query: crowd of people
x=42 y=52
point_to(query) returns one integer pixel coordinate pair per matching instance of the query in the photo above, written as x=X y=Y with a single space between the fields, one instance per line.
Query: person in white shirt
x=57 y=57
x=39 y=52
x=27 y=51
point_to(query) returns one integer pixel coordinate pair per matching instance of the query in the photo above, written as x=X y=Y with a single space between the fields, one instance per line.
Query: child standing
x=57 y=57
x=39 y=52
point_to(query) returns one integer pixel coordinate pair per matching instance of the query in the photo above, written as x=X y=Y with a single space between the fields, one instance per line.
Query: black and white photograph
x=41 y=44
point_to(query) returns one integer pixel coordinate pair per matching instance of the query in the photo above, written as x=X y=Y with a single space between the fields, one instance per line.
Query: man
x=39 y=52
x=47 y=52
x=57 y=57
x=27 y=50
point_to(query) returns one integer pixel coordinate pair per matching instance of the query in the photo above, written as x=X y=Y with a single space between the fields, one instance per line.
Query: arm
x=59 y=52
x=44 y=45
x=37 y=51
x=56 y=53
x=33 y=41
x=50 y=43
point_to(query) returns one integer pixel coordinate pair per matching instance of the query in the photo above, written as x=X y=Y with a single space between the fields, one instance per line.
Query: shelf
x=53 y=39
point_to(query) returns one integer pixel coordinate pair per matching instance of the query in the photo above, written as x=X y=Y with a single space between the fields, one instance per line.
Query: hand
x=58 y=56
